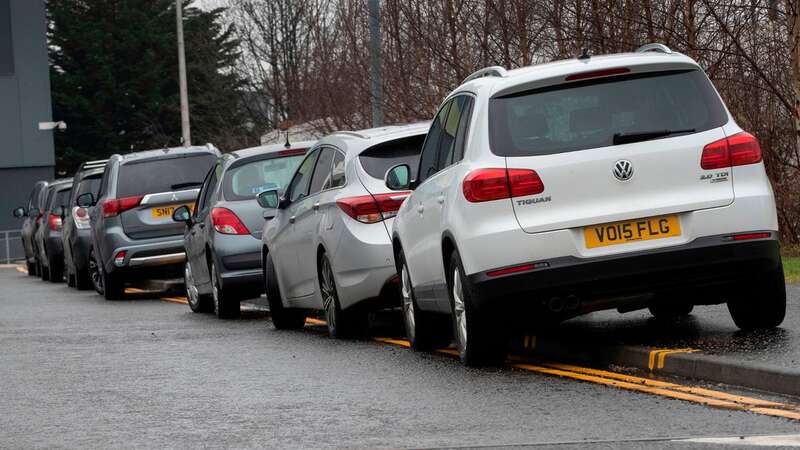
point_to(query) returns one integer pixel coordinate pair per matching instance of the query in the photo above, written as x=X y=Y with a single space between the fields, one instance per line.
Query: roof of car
x=59 y=183
x=172 y=151
x=508 y=79
x=354 y=142
x=271 y=148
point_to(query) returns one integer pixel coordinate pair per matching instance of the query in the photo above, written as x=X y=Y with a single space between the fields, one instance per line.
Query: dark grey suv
x=133 y=234
x=48 y=234
x=77 y=233
x=32 y=214
x=223 y=235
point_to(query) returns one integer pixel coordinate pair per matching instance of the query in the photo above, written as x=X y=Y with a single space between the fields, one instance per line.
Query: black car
x=223 y=234
x=32 y=212
x=77 y=234
x=48 y=234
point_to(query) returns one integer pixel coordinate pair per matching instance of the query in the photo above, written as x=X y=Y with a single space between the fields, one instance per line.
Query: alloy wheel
x=215 y=289
x=94 y=273
x=408 y=303
x=191 y=288
x=328 y=293
x=459 y=311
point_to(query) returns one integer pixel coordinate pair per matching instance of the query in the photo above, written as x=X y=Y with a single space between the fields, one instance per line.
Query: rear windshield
x=244 y=182
x=382 y=157
x=163 y=175
x=61 y=199
x=89 y=184
x=585 y=115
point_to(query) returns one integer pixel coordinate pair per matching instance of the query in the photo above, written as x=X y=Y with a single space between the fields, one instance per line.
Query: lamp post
x=186 y=131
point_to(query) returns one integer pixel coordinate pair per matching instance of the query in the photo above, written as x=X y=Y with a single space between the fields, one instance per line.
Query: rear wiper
x=638 y=136
x=187 y=184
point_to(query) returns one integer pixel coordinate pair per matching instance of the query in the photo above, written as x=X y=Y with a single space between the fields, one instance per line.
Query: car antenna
x=585 y=54
x=287 y=144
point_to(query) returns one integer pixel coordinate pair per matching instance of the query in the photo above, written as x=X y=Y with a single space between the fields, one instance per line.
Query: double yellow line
x=176 y=299
x=659 y=356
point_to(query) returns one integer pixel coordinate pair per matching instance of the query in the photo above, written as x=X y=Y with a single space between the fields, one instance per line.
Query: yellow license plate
x=166 y=211
x=631 y=231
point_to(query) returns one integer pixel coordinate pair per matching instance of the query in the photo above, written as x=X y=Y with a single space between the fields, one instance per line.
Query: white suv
x=612 y=182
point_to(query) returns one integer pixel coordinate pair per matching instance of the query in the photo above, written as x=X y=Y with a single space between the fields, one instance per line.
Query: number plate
x=166 y=211
x=631 y=231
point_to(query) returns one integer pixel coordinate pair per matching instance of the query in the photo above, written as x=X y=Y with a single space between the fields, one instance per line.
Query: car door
x=306 y=225
x=285 y=244
x=196 y=234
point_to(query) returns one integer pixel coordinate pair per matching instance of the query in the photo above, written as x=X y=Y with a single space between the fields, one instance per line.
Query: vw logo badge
x=623 y=170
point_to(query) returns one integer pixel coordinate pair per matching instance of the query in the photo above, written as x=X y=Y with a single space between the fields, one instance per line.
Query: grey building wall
x=26 y=153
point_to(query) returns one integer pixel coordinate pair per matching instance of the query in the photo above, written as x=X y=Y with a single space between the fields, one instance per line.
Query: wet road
x=709 y=329
x=78 y=371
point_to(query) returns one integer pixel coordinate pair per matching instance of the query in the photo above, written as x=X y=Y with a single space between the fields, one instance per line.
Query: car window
x=61 y=198
x=209 y=186
x=377 y=160
x=429 y=158
x=447 y=143
x=163 y=174
x=584 y=115
x=322 y=171
x=89 y=184
x=298 y=188
x=463 y=127
x=245 y=181
x=338 y=178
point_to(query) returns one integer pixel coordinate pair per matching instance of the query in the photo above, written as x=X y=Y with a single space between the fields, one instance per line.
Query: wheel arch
x=448 y=247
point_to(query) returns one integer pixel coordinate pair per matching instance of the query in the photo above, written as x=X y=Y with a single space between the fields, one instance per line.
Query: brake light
x=750 y=236
x=517 y=269
x=81 y=217
x=598 y=74
x=119 y=258
x=737 y=150
x=372 y=208
x=226 y=221
x=116 y=206
x=55 y=222
x=293 y=152
x=484 y=185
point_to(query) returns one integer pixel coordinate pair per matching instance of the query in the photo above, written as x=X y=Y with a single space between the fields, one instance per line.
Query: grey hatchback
x=223 y=234
x=133 y=235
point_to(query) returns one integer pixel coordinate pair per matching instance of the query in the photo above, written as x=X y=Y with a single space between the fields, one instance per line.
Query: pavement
x=79 y=371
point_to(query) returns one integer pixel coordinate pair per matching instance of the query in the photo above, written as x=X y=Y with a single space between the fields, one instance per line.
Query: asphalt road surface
x=79 y=371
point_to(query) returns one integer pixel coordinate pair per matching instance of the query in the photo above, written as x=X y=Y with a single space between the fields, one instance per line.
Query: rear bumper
x=141 y=255
x=706 y=267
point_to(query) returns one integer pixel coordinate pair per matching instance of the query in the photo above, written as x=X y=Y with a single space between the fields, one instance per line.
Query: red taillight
x=484 y=185
x=81 y=218
x=517 y=269
x=598 y=74
x=55 y=222
x=372 y=208
x=226 y=221
x=750 y=236
x=117 y=206
x=119 y=258
x=738 y=150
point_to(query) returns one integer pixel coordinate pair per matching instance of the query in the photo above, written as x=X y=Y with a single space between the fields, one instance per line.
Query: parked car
x=223 y=235
x=48 y=234
x=609 y=182
x=133 y=234
x=77 y=234
x=31 y=213
x=326 y=240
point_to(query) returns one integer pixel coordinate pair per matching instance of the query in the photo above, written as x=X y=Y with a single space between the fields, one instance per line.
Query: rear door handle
x=291 y=219
x=316 y=206
x=420 y=208
x=440 y=199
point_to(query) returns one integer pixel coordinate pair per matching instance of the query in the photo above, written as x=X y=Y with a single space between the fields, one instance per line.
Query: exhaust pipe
x=572 y=302
x=556 y=304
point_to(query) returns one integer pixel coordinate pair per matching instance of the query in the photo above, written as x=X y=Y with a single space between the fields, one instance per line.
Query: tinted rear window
x=163 y=175
x=380 y=158
x=89 y=184
x=244 y=182
x=61 y=198
x=585 y=115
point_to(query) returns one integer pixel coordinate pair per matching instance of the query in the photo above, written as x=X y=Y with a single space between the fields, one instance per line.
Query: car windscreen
x=163 y=175
x=377 y=160
x=587 y=114
x=247 y=180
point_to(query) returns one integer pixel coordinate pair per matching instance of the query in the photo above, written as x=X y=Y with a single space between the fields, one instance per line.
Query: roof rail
x=93 y=164
x=654 y=47
x=493 y=71
x=351 y=133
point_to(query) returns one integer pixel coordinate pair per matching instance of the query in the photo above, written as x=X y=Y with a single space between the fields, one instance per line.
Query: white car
x=611 y=182
x=326 y=242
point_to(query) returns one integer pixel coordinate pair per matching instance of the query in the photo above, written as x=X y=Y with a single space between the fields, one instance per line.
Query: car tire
x=424 y=330
x=760 y=304
x=199 y=303
x=44 y=272
x=670 y=310
x=31 y=269
x=69 y=275
x=282 y=318
x=480 y=339
x=225 y=305
x=113 y=285
x=82 y=278
x=55 y=270
x=95 y=275
x=342 y=324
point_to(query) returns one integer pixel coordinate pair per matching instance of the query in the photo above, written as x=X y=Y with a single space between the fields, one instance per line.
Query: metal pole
x=185 y=127
x=8 y=250
x=376 y=72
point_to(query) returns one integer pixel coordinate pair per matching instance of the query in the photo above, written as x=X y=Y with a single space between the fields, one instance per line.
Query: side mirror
x=182 y=214
x=398 y=178
x=269 y=199
x=58 y=211
x=19 y=212
x=85 y=200
x=34 y=212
